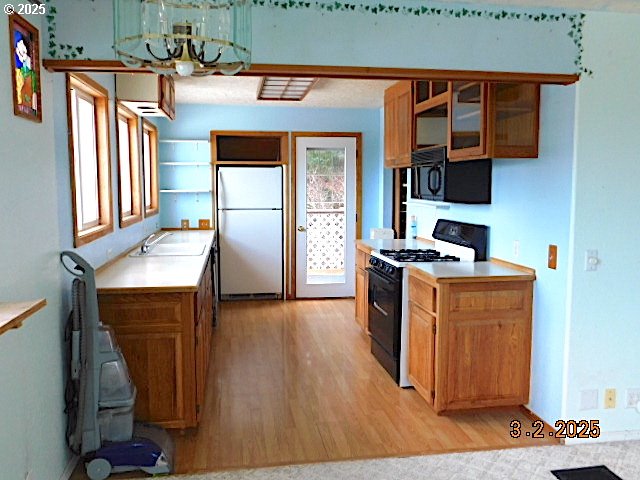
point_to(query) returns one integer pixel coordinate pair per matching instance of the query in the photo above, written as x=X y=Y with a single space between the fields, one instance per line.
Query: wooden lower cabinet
x=472 y=347
x=166 y=341
x=362 y=289
x=422 y=326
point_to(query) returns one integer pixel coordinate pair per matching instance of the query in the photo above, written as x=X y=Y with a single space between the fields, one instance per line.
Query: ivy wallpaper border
x=576 y=20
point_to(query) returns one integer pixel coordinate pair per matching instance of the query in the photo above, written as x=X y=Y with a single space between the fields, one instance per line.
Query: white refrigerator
x=249 y=205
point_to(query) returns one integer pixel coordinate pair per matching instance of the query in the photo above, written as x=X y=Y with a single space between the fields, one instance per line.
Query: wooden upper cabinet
x=398 y=124
x=431 y=114
x=167 y=98
x=390 y=130
x=467 y=120
x=493 y=120
x=514 y=120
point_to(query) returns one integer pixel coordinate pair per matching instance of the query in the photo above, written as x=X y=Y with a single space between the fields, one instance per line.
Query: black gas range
x=388 y=289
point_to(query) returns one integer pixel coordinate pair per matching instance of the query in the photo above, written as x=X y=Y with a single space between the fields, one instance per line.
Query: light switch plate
x=591 y=260
x=184 y=224
x=204 y=224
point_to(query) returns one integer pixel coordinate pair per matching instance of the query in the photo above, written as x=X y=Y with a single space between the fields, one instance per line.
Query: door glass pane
x=326 y=225
x=466 y=111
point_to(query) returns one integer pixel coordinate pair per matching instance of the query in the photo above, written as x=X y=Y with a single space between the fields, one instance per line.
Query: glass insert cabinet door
x=468 y=119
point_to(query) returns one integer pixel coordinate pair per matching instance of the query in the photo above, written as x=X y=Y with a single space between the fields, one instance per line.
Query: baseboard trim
x=71 y=466
x=620 y=436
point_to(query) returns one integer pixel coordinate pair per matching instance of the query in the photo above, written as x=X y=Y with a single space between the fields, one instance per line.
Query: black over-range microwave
x=434 y=177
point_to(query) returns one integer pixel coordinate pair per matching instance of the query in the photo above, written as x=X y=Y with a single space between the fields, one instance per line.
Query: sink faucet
x=147 y=244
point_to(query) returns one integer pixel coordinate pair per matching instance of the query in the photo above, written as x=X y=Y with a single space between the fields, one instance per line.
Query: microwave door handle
x=433 y=189
x=438 y=180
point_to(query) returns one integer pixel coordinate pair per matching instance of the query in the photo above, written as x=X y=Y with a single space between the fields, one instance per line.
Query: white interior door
x=325 y=216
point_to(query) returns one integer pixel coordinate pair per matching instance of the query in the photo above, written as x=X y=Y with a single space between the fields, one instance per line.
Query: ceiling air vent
x=285 y=88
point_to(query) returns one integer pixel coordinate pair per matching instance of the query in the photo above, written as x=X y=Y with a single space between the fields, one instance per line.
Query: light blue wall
x=532 y=204
x=31 y=358
x=196 y=122
x=313 y=37
x=604 y=331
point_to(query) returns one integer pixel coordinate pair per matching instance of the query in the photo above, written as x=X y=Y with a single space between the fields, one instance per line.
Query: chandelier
x=188 y=37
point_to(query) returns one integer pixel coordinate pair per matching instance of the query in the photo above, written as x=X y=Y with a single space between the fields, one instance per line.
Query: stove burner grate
x=418 y=255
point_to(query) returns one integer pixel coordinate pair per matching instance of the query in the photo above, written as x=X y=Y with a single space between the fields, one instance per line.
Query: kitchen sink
x=172 y=250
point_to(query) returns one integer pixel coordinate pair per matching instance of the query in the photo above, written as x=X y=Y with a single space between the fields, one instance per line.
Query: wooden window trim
x=153 y=150
x=134 y=158
x=88 y=86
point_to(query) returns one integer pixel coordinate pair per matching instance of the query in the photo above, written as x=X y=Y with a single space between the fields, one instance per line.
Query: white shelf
x=185 y=191
x=190 y=164
x=162 y=140
x=426 y=203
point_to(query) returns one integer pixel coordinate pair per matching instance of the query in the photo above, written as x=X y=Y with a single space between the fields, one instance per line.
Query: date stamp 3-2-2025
x=564 y=429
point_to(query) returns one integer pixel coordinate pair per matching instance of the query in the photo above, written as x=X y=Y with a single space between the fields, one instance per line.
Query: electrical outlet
x=203 y=224
x=516 y=248
x=633 y=397
x=552 y=257
x=184 y=224
x=589 y=399
x=610 y=398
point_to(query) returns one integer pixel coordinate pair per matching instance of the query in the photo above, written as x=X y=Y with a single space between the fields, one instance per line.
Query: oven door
x=384 y=311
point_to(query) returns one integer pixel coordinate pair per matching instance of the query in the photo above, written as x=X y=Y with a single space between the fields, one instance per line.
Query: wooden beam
x=370 y=73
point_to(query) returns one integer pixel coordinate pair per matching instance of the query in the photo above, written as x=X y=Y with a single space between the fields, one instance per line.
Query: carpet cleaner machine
x=100 y=395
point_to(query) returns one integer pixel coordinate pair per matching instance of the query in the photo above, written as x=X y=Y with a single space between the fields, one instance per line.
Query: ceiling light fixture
x=188 y=37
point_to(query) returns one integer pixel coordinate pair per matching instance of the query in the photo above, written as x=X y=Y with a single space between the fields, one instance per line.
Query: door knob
x=302 y=229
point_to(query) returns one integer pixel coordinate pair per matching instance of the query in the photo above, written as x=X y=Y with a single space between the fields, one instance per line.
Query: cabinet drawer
x=422 y=294
x=362 y=259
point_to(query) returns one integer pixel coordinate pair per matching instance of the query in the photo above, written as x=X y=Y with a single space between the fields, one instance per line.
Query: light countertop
x=470 y=270
x=157 y=273
x=453 y=271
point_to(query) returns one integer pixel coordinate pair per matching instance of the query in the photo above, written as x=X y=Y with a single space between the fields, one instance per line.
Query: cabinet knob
x=302 y=229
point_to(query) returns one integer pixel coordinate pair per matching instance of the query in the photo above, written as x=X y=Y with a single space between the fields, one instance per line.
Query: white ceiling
x=339 y=93
x=327 y=92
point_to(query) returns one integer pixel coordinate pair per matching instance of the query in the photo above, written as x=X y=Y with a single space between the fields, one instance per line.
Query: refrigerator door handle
x=220 y=190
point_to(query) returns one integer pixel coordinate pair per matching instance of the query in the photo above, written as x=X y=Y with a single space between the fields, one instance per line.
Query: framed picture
x=25 y=71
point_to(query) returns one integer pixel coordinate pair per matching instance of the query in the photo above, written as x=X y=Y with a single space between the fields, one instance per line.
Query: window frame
x=132 y=120
x=154 y=207
x=85 y=86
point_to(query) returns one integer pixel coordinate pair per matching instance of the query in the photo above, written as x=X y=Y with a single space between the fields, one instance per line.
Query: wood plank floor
x=295 y=382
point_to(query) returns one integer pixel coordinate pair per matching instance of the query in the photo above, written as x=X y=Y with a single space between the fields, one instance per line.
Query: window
x=129 y=194
x=87 y=103
x=150 y=167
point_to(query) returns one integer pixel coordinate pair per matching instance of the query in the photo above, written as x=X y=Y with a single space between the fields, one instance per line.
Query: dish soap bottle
x=414 y=227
